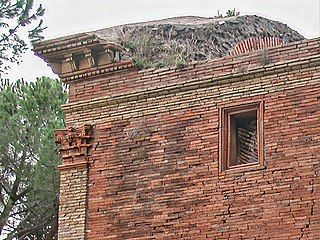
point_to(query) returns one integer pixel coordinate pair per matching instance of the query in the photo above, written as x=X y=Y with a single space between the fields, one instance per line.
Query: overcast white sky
x=65 y=17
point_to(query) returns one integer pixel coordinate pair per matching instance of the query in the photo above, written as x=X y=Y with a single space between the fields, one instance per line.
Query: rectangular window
x=241 y=136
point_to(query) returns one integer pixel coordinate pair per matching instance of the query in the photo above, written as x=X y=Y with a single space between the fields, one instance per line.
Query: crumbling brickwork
x=74 y=148
x=153 y=170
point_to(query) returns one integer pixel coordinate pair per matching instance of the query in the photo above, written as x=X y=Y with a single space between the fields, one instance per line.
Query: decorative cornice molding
x=67 y=56
x=93 y=71
x=74 y=142
x=193 y=84
x=54 y=46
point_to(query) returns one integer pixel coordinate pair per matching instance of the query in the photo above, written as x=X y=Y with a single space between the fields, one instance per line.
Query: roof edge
x=195 y=83
x=77 y=52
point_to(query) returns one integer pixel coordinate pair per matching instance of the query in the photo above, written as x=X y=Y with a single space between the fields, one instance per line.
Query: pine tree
x=19 y=24
x=29 y=179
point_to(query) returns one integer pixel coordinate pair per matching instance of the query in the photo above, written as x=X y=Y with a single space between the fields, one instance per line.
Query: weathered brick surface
x=129 y=80
x=72 y=211
x=75 y=145
x=154 y=167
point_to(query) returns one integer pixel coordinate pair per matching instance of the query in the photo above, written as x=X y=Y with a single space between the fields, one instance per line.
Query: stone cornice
x=72 y=55
x=68 y=77
x=51 y=47
x=196 y=83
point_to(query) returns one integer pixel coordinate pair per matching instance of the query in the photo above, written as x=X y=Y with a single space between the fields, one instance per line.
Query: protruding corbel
x=68 y=64
x=86 y=60
x=105 y=57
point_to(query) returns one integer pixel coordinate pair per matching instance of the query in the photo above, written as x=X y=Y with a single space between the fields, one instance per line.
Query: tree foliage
x=14 y=16
x=29 y=182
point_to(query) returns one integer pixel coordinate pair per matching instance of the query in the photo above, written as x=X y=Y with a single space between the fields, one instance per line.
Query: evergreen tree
x=29 y=179
x=16 y=15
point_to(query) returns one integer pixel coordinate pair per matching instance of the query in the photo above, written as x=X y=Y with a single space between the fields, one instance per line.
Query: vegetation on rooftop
x=174 y=43
x=229 y=13
x=174 y=52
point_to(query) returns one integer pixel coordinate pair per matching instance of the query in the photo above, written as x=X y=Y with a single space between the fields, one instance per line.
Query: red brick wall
x=154 y=164
x=129 y=80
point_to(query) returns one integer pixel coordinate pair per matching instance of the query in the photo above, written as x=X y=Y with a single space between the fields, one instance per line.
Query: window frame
x=225 y=139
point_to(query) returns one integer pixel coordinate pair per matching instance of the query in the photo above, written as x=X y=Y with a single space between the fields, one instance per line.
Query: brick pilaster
x=74 y=149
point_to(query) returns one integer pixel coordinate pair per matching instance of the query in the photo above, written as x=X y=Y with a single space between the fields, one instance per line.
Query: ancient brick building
x=227 y=148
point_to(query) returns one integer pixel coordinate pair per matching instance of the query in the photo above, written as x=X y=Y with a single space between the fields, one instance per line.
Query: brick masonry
x=75 y=145
x=257 y=43
x=150 y=168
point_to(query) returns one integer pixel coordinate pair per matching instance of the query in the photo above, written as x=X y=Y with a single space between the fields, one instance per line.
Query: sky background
x=65 y=17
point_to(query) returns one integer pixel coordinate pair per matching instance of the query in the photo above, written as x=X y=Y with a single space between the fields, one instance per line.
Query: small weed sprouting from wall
x=181 y=64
